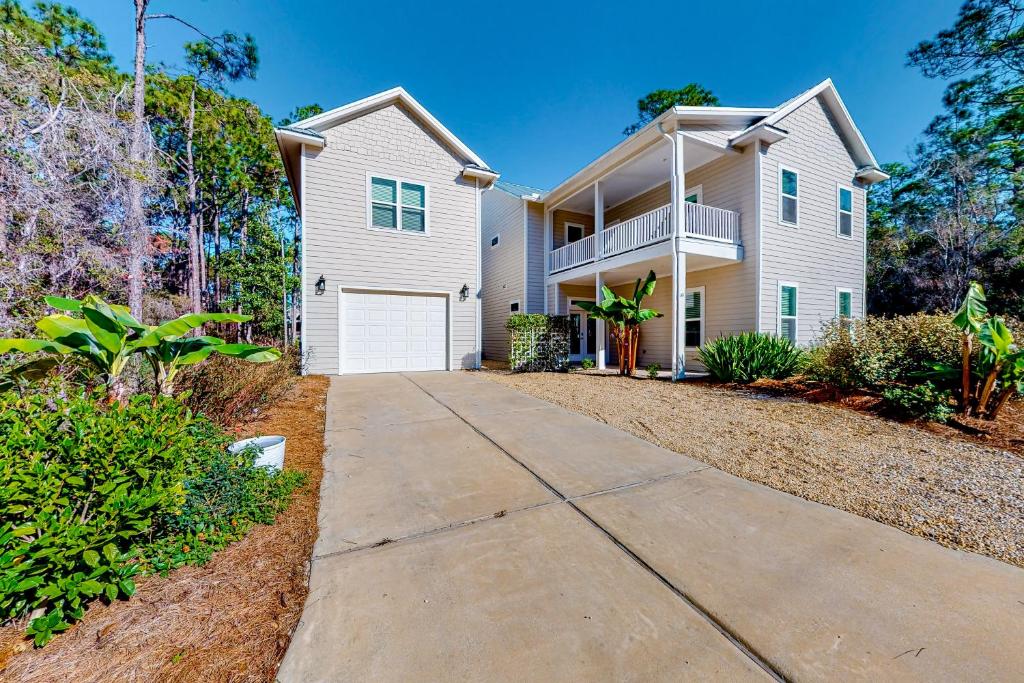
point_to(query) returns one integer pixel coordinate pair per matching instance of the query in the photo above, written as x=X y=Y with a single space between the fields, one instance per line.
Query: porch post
x=599 y=218
x=678 y=258
x=599 y=332
x=548 y=243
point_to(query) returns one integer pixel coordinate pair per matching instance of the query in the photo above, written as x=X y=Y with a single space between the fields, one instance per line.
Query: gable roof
x=827 y=91
x=329 y=119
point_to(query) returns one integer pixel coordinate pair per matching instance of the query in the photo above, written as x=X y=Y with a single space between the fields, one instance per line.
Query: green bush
x=920 y=401
x=875 y=352
x=750 y=356
x=87 y=485
x=538 y=342
x=587 y=363
x=653 y=369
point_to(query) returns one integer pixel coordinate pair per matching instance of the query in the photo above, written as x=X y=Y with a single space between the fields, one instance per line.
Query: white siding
x=502 y=267
x=811 y=254
x=389 y=141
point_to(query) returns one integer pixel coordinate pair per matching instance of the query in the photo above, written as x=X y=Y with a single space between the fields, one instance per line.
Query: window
x=789 y=209
x=513 y=307
x=844 y=206
x=787 y=311
x=397 y=205
x=694 y=317
x=495 y=240
x=844 y=303
x=694 y=195
x=573 y=233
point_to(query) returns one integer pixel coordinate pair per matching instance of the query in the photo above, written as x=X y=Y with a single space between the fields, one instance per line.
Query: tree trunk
x=965 y=374
x=195 y=243
x=243 y=239
x=135 y=219
x=216 y=256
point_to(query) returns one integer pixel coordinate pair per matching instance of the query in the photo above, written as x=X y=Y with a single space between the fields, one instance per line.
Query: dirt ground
x=230 y=620
x=932 y=482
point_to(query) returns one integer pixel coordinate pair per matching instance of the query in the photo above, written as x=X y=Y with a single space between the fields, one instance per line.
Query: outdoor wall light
x=321 y=285
x=464 y=293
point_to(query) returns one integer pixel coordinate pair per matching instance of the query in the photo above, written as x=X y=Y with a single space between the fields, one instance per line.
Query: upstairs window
x=788 y=311
x=694 y=317
x=845 y=210
x=573 y=232
x=789 y=202
x=398 y=205
x=513 y=307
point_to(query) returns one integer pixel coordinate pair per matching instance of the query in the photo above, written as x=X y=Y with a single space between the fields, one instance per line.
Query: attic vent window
x=495 y=240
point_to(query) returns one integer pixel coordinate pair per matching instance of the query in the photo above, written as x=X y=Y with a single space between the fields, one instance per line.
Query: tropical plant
x=107 y=335
x=750 y=356
x=624 y=316
x=653 y=369
x=991 y=375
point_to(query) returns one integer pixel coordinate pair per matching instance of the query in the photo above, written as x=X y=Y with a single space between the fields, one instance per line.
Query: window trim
x=782 y=221
x=842 y=290
x=565 y=228
x=397 y=230
x=519 y=307
x=703 y=309
x=839 y=211
x=496 y=240
x=778 y=310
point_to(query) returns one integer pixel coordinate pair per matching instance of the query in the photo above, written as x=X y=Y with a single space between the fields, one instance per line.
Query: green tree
x=653 y=104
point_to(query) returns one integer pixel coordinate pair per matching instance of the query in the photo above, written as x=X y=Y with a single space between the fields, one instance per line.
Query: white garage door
x=385 y=332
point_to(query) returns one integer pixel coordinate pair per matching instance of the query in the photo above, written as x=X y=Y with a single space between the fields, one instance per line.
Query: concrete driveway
x=470 y=532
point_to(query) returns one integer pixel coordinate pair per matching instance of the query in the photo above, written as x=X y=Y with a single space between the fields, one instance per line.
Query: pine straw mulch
x=229 y=620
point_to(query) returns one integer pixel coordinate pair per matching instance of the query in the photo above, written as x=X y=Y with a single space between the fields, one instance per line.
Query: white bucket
x=271 y=450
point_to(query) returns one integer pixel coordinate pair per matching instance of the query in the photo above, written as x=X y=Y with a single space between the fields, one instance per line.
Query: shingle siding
x=338 y=244
x=812 y=254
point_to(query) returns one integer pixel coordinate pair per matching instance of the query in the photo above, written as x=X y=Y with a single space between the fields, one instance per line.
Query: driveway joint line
x=734 y=639
x=637 y=484
x=433 y=532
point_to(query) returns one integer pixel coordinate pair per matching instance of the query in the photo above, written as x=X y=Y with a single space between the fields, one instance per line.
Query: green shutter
x=693 y=304
x=414 y=195
x=787 y=304
x=845 y=304
x=383 y=190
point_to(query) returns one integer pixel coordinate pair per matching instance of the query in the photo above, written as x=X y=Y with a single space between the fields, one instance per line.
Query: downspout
x=479 y=284
x=304 y=321
x=675 y=256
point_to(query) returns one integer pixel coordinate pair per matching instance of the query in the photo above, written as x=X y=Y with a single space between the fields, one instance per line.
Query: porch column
x=548 y=243
x=678 y=187
x=599 y=218
x=599 y=333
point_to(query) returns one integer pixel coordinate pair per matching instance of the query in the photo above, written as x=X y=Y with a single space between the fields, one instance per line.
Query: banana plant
x=969 y=318
x=107 y=336
x=624 y=316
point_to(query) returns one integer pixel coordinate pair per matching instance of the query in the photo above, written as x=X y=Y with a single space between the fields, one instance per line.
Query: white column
x=599 y=217
x=548 y=243
x=678 y=187
x=599 y=333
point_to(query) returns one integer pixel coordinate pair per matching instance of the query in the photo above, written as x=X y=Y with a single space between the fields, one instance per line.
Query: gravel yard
x=951 y=491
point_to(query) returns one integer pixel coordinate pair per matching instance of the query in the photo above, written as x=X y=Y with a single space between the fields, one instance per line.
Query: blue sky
x=538 y=89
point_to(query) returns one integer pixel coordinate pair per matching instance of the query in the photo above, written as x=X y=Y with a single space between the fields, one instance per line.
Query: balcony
x=702 y=222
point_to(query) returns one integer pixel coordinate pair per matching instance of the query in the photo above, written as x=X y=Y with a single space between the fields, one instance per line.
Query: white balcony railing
x=702 y=222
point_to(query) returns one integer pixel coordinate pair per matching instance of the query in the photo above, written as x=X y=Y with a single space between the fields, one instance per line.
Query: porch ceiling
x=646 y=171
x=661 y=265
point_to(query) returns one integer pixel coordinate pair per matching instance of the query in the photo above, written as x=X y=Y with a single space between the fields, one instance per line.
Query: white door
x=393 y=332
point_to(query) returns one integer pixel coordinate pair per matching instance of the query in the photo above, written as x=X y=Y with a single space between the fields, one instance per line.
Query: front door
x=582 y=332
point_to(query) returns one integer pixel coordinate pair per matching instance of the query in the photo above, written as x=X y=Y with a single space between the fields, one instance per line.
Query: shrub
x=587 y=363
x=921 y=401
x=653 y=369
x=229 y=392
x=86 y=486
x=538 y=342
x=750 y=356
x=874 y=352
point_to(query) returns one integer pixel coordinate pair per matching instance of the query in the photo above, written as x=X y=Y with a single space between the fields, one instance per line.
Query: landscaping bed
x=932 y=482
x=228 y=620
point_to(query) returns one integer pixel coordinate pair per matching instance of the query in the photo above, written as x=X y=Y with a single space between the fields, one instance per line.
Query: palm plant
x=624 y=316
x=107 y=336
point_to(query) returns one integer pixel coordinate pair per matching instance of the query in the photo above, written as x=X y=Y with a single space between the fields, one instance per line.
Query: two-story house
x=752 y=219
x=390 y=203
